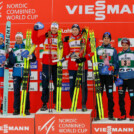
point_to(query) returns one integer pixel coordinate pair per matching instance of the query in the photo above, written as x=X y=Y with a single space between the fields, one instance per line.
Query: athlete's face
x=54 y=30
x=18 y=40
x=1 y=41
x=75 y=31
x=125 y=46
x=106 y=40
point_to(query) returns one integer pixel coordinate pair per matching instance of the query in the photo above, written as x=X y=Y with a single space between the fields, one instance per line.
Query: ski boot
x=44 y=107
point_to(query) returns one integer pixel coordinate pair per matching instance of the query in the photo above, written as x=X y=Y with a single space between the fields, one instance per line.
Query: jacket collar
x=125 y=51
x=76 y=37
x=106 y=46
x=20 y=45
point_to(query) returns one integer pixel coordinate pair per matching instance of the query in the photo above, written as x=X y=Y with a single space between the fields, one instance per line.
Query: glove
x=30 y=57
x=83 y=30
x=62 y=60
x=38 y=26
x=46 y=35
x=80 y=60
x=111 y=68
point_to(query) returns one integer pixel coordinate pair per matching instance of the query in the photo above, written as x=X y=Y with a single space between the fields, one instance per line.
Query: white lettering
x=100 y=15
x=113 y=10
x=89 y=9
x=100 y=5
x=17 y=5
x=71 y=11
x=125 y=9
x=80 y=9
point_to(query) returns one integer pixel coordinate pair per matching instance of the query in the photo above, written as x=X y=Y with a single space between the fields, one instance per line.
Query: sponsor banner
x=10 y=86
x=66 y=30
x=23 y=11
x=33 y=86
x=10 y=75
x=90 y=75
x=19 y=125
x=131 y=41
x=65 y=123
x=51 y=86
x=65 y=75
x=89 y=64
x=65 y=64
x=43 y=74
x=65 y=86
x=40 y=75
x=34 y=75
x=93 y=11
x=34 y=65
x=116 y=128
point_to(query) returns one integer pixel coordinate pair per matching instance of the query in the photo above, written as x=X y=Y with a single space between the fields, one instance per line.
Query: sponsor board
x=33 y=86
x=65 y=86
x=113 y=128
x=19 y=125
x=89 y=64
x=34 y=75
x=90 y=75
x=10 y=75
x=34 y=65
x=65 y=123
x=98 y=10
x=51 y=88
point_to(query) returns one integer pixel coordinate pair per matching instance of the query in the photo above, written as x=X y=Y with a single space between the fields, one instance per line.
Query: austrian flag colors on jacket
x=50 y=50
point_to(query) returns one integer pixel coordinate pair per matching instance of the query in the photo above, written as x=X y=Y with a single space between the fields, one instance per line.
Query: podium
x=16 y=124
x=64 y=122
x=106 y=126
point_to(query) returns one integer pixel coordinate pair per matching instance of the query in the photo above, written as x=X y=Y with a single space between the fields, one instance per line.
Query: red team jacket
x=72 y=44
x=50 y=49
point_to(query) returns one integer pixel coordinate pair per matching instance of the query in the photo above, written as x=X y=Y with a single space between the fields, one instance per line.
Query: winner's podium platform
x=106 y=126
x=64 y=122
x=16 y=124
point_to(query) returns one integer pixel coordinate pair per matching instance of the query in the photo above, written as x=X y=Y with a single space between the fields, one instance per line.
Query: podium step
x=16 y=124
x=64 y=122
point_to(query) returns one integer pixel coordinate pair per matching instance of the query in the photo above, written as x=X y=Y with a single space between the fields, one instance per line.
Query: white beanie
x=19 y=34
x=54 y=24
